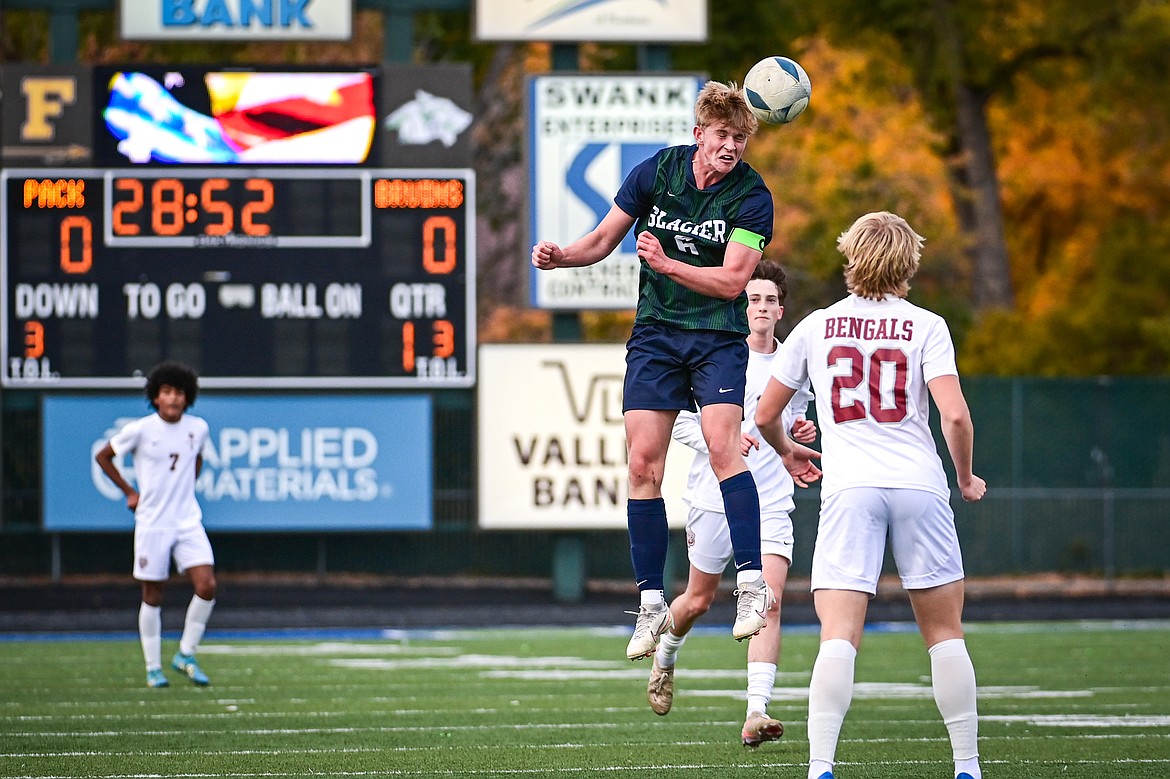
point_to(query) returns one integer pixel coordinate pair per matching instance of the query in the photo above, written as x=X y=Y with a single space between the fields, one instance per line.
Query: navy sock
x=741 y=503
x=649 y=537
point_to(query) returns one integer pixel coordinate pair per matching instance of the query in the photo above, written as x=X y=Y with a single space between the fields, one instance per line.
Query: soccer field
x=1070 y=700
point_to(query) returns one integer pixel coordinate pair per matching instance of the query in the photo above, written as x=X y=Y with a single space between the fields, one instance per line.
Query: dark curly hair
x=773 y=272
x=175 y=374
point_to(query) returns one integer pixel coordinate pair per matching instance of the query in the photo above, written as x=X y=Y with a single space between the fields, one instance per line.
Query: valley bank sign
x=270 y=464
x=320 y=20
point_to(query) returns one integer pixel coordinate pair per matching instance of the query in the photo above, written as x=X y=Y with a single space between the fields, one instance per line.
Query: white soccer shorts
x=709 y=539
x=154 y=547
x=851 y=539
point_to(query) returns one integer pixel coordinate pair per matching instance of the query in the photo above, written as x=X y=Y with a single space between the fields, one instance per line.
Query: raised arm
x=590 y=248
x=959 y=433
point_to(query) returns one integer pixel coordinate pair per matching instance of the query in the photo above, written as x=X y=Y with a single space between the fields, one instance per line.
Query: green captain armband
x=747 y=238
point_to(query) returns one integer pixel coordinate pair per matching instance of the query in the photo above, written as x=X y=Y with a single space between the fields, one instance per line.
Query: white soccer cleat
x=660 y=688
x=759 y=728
x=751 y=610
x=648 y=628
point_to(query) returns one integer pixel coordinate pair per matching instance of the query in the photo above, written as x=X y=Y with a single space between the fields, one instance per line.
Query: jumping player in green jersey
x=702 y=218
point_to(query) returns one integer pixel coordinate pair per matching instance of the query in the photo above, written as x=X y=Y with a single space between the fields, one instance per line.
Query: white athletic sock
x=829 y=694
x=953 y=678
x=150 y=633
x=761 y=678
x=749 y=578
x=653 y=597
x=198 y=613
x=971 y=766
x=817 y=768
x=668 y=647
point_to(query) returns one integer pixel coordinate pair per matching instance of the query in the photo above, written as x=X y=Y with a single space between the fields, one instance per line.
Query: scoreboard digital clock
x=259 y=277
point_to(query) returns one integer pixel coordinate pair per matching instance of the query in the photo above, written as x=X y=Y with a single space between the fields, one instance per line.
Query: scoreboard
x=276 y=277
x=274 y=227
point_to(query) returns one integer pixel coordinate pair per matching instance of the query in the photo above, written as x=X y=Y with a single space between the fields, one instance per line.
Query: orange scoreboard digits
x=267 y=277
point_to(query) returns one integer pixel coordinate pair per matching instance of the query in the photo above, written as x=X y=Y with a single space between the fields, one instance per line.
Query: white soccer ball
x=777 y=89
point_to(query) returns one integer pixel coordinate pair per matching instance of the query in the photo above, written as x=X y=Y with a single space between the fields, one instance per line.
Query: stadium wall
x=1078 y=473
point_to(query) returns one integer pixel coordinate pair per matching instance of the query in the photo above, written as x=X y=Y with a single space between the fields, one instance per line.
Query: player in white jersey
x=873 y=359
x=708 y=539
x=167 y=447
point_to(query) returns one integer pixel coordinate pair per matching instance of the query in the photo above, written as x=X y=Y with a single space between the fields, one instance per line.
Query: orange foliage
x=864 y=144
x=505 y=324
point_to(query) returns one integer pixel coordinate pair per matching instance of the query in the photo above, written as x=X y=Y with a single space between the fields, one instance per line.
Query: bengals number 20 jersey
x=869 y=362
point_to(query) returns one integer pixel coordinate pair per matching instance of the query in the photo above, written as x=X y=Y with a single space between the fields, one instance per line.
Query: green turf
x=1076 y=701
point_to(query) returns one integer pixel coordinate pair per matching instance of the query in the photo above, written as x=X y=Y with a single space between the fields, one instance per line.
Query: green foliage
x=1076 y=104
x=1116 y=321
x=24 y=36
x=742 y=33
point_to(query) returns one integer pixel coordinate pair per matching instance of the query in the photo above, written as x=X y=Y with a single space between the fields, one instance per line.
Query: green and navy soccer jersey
x=694 y=226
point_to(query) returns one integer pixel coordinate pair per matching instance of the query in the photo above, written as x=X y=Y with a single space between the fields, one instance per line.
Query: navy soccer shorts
x=672 y=369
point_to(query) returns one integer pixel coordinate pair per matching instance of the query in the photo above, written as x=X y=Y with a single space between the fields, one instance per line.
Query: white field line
x=545 y=771
x=1057 y=721
x=582 y=745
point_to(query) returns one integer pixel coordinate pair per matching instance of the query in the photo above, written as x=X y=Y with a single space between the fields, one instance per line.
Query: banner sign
x=586 y=133
x=236 y=20
x=552 y=447
x=632 y=21
x=275 y=463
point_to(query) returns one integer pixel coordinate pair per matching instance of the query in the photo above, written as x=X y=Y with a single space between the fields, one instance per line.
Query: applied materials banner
x=292 y=463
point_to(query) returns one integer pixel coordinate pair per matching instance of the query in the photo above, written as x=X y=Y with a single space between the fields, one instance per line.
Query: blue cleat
x=829 y=775
x=964 y=775
x=186 y=664
x=155 y=678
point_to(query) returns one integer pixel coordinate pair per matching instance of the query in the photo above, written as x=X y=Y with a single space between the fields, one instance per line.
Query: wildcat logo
x=428 y=118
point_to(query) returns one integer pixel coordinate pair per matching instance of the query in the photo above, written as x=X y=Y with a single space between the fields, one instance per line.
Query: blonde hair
x=718 y=102
x=882 y=255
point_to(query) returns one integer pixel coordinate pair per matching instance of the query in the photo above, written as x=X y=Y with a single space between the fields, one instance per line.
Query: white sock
x=829 y=694
x=668 y=647
x=953 y=678
x=971 y=766
x=198 y=613
x=653 y=597
x=817 y=768
x=150 y=633
x=761 y=679
x=749 y=578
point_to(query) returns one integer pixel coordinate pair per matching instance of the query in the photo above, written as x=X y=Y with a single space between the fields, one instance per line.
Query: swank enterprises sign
x=586 y=133
x=238 y=20
x=271 y=463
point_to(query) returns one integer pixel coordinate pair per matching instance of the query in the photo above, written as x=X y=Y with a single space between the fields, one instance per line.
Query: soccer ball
x=777 y=89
